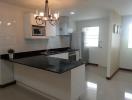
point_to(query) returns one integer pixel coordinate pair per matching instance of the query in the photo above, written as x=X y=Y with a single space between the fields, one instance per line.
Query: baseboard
x=7 y=84
x=36 y=91
x=93 y=64
x=109 y=78
x=124 y=69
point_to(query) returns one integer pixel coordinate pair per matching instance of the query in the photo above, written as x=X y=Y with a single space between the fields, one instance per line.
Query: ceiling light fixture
x=47 y=16
x=72 y=13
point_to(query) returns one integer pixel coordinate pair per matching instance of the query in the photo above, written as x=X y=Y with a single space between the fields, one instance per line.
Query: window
x=91 y=36
x=130 y=36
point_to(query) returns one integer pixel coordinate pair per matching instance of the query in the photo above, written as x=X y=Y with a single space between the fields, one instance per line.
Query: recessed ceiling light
x=72 y=13
x=8 y=24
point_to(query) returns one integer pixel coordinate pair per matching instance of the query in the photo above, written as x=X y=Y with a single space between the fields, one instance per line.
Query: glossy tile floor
x=16 y=92
x=97 y=87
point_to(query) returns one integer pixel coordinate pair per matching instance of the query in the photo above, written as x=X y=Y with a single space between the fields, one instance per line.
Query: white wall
x=125 y=52
x=96 y=55
x=13 y=36
x=113 y=44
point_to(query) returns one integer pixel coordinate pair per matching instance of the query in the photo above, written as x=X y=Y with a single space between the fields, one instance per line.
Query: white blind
x=91 y=36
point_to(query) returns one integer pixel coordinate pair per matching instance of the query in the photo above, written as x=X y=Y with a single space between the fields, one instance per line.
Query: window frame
x=83 y=29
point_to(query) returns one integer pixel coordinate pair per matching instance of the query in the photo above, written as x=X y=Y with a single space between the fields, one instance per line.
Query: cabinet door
x=7 y=72
x=62 y=26
x=50 y=30
x=32 y=19
x=61 y=55
x=29 y=20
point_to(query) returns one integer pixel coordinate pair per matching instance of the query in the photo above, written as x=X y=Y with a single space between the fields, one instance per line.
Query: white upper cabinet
x=63 y=25
x=50 y=30
x=30 y=25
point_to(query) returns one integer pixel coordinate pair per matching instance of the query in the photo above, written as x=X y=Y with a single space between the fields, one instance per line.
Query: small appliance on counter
x=72 y=55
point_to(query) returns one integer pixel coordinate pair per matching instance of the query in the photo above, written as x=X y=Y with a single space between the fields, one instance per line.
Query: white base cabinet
x=67 y=86
x=6 y=72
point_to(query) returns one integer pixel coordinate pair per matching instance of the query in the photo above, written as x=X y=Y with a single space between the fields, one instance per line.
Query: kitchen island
x=57 y=78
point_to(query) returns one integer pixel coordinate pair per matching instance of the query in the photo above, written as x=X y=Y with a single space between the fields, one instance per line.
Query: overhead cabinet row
x=34 y=31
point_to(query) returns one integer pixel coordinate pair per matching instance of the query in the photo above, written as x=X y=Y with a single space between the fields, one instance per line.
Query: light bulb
x=45 y=18
x=41 y=14
x=56 y=15
x=35 y=15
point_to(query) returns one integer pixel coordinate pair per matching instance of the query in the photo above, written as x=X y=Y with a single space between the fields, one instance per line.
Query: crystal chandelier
x=47 y=16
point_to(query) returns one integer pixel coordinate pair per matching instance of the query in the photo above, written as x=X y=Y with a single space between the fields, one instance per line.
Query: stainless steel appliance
x=38 y=30
x=72 y=55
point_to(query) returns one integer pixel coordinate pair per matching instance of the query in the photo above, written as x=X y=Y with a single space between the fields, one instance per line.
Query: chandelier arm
x=39 y=22
x=53 y=22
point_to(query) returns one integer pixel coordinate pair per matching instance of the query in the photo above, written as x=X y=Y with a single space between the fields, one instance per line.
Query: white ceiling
x=84 y=9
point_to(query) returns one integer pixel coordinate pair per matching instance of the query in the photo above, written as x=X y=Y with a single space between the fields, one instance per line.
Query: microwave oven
x=38 y=30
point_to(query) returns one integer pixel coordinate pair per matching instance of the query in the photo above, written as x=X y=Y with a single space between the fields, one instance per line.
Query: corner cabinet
x=29 y=22
x=63 y=25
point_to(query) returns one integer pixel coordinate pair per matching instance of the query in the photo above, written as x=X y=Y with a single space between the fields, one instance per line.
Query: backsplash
x=12 y=33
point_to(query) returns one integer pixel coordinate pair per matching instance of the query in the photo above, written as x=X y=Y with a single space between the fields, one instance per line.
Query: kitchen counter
x=39 y=59
x=56 y=65
x=57 y=78
x=40 y=52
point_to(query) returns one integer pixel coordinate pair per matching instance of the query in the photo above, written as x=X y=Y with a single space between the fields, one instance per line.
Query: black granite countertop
x=39 y=60
x=42 y=52
x=56 y=65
